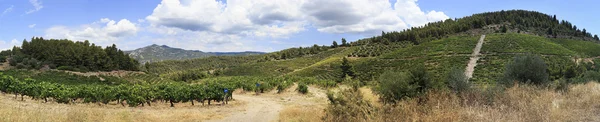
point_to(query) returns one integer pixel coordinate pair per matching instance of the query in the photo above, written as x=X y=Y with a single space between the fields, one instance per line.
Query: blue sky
x=254 y=25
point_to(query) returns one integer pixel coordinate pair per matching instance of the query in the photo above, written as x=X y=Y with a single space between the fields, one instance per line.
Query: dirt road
x=474 y=57
x=258 y=109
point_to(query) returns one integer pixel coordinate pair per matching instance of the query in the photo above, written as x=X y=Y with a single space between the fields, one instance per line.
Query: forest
x=68 y=55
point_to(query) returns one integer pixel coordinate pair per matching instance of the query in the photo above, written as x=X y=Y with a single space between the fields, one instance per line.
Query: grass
x=12 y=110
x=518 y=104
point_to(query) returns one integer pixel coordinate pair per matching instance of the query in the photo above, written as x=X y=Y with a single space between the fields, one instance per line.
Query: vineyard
x=144 y=93
x=374 y=50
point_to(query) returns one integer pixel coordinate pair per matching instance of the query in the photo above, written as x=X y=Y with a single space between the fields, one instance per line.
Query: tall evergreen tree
x=344 y=43
x=334 y=45
x=346 y=68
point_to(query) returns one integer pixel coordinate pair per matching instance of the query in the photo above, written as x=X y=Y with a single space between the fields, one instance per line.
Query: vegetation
x=69 y=55
x=528 y=69
x=394 y=86
x=457 y=81
x=302 y=88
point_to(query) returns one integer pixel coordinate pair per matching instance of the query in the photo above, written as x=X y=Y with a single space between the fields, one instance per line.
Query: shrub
x=457 y=81
x=2 y=59
x=302 y=88
x=394 y=86
x=348 y=106
x=420 y=77
x=529 y=69
x=69 y=68
x=591 y=76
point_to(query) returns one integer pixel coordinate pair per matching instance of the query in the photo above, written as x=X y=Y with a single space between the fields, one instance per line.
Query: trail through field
x=474 y=57
x=258 y=109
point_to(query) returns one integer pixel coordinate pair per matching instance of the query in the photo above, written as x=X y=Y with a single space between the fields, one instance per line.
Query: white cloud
x=102 y=32
x=281 y=18
x=9 y=9
x=201 y=40
x=240 y=17
x=412 y=14
x=31 y=26
x=37 y=6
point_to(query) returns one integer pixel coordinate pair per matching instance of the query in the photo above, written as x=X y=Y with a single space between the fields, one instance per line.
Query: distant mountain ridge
x=155 y=53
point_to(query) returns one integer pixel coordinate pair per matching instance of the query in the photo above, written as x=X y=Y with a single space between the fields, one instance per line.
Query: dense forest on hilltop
x=68 y=55
x=520 y=20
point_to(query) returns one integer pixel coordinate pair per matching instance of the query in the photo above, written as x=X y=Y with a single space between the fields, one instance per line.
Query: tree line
x=537 y=22
x=68 y=55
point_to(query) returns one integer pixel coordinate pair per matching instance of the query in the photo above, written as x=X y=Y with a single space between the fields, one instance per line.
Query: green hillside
x=438 y=47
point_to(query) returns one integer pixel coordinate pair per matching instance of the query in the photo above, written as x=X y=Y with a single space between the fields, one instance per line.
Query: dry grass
x=303 y=108
x=517 y=104
x=12 y=110
x=302 y=113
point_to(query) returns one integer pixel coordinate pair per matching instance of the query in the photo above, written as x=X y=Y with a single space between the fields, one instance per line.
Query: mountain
x=155 y=53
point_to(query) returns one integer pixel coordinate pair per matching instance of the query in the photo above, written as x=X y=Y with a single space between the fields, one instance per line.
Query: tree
x=596 y=37
x=503 y=29
x=347 y=70
x=394 y=86
x=344 y=43
x=457 y=80
x=334 y=45
x=529 y=68
x=549 y=31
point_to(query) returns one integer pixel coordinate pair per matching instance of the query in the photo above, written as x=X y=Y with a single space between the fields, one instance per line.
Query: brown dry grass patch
x=517 y=104
x=14 y=110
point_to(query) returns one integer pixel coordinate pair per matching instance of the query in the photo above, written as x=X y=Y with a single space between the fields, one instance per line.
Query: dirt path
x=258 y=109
x=474 y=57
x=4 y=66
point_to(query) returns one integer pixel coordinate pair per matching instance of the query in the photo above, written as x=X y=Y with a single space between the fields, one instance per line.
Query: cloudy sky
x=248 y=25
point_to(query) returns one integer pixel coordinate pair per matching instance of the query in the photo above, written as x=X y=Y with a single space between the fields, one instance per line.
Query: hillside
x=438 y=47
x=155 y=53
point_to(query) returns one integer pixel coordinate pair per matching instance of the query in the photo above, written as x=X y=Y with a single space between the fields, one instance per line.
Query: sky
x=249 y=25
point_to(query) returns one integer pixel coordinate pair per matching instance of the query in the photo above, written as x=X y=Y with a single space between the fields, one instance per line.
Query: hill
x=155 y=53
x=438 y=46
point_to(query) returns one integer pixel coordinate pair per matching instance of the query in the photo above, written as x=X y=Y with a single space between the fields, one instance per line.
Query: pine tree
x=346 y=69
x=596 y=37
x=334 y=45
x=344 y=43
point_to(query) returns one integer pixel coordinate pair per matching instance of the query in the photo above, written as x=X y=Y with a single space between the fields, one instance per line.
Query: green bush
x=529 y=69
x=69 y=68
x=457 y=81
x=591 y=76
x=394 y=86
x=303 y=88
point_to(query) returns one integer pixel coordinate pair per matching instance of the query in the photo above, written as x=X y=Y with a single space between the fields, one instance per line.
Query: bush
x=394 y=86
x=529 y=69
x=69 y=68
x=303 y=88
x=348 y=106
x=2 y=59
x=420 y=77
x=457 y=81
x=591 y=76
